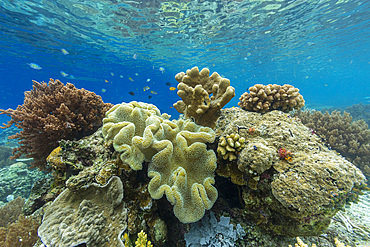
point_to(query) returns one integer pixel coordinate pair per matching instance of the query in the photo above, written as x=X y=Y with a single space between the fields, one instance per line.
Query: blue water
x=320 y=47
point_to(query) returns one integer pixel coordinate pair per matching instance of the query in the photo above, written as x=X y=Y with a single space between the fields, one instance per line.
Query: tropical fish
x=131 y=79
x=34 y=66
x=106 y=80
x=153 y=92
x=148 y=80
x=146 y=88
x=134 y=56
x=168 y=83
x=149 y=97
x=172 y=88
x=64 y=51
x=131 y=93
x=136 y=74
x=71 y=77
x=111 y=73
x=103 y=90
x=161 y=69
x=64 y=74
x=121 y=76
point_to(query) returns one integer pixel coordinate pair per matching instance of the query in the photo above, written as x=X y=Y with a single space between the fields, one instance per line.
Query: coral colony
x=117 y=172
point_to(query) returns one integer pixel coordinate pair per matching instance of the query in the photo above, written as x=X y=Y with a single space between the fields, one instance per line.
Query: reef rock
x=292 y=182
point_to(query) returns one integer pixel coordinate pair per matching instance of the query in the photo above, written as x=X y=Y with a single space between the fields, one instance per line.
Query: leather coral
x=52 y=112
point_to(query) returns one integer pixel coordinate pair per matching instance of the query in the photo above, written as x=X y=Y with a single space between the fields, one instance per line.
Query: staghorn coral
x=271 y=97
x=51 y=112
x=95 y=216
x=22 y=233
x=195 y=89
x=181 y=166
x=350 y=138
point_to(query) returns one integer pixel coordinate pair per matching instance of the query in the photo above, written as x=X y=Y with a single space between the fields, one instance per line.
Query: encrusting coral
x=181 y=166
x=95 y=216
x=271 y=97
x=291 y=182
x=195 y=89
x=350 y=138
x=51 y=112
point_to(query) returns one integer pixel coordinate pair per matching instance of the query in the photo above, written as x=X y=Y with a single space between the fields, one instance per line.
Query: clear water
x=319 y=46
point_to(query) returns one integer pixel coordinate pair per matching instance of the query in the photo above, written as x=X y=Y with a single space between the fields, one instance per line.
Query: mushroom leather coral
x=181 y=166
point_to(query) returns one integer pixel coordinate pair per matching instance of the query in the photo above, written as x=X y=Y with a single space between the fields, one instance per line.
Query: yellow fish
x=172 y=88
x=106 y=80
x=153 y=92
x=146 y=88
x=131 y=79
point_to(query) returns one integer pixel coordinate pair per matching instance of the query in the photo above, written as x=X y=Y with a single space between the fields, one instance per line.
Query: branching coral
x=195 y=89
x=350 y=139
x=51 y=112
x=271 y=97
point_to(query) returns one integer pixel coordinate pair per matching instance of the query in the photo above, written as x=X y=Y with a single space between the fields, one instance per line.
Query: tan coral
x=94 y=215
x=229 y=146
x=195 y=89
x=263 y=98
x=181 y=166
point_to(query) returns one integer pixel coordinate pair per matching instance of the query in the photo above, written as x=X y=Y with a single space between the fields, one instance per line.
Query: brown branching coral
x=195 y=89
x=350 y=138
x=51 y=112
x=271 y=97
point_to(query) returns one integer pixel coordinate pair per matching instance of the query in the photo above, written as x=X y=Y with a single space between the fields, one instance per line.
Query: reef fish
x=161 y=69
x=172 y=88
x=131 y=79
x=64 y=51
x=34 y=66
x=146 y=88
x=131 y=93
x=168 y=83
x=153 y=92
x=64 y=74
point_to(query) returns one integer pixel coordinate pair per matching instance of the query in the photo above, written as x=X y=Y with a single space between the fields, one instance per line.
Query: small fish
x=168 y=83
x=149 y=97
x=153 y=92
x=111 y=73
x=172 y=88
x=134 y=56
x=106 y=80
x=161 y=69
x=148 y=80
x=136 y=74
x=71 y=77
x=64 y=74
x=103 y=90
x=34 y=66
x=131 y=79
x=121 y=76
x=146 y=88
x=64 y=51
x=131 y=93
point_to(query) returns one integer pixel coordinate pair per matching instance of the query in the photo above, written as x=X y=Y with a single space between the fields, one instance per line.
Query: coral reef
x=22 y=233
x=10 y=212
x=180 y=164
x=229 y=146
x=17 y=180
x=142 y=240
x=95 y=216
x=5 y=153
x=350 y=138
x=292 y=192
x=267 y=98
x=209 y=232
x=195 y=89
x=52 y=112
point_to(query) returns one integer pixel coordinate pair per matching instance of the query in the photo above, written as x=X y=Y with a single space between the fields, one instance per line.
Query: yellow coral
x=181 y=166
x=229 y=146
x=300 y=243
x=142 y=240
x=55 y=160
x=195 y=89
